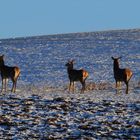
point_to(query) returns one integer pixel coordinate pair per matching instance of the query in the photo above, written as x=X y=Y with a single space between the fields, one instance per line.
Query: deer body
x=121 y=75
x=8 y=73
x=76 y=75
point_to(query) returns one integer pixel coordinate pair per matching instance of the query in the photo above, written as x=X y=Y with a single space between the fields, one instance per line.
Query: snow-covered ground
x=43 y=108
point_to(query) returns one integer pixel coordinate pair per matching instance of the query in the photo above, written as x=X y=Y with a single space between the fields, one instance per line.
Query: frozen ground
x=42 y=108
x=59 y=115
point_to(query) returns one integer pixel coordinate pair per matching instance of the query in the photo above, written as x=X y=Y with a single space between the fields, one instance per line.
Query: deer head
x=116 y=58
x=69 y=64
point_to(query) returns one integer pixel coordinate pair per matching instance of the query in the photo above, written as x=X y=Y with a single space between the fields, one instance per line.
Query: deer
x=8 y=73
x=76 y=75
x=121 y=75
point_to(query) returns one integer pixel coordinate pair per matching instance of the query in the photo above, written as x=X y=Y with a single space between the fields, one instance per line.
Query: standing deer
x=76 y=75
x=121 y=75
x=8 y=72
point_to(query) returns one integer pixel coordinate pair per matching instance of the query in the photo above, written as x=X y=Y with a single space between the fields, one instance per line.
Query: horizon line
x=97 y=31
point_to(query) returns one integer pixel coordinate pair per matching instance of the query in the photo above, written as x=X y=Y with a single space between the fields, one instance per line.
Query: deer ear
x=112 y=58
x=120 y=57
x=2 y=56
x=73 y=61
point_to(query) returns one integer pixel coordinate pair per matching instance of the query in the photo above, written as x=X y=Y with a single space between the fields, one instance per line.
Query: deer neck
x=116 y=66
x=69 y=69
x=2 y=65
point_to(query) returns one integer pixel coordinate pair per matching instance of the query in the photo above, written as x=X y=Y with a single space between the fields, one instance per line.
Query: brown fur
x=76 y=75
x=8 y=73
x=121 y=75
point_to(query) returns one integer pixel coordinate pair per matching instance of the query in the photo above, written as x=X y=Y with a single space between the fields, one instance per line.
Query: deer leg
x=119 y=86
x=73 y=86
x=116 y=87
x=2 y=85
x=14 y=80
x=126 y=87
x=6 y=82
x=13 y=87
x=83 y=86
x=69 y=86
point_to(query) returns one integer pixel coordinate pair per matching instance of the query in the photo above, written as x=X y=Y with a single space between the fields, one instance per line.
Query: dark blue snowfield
x=42 y=59
x=42 y=108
